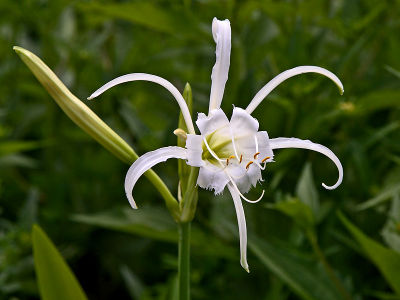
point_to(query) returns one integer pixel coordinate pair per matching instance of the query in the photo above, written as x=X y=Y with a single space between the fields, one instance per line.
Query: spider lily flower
x=231 y=152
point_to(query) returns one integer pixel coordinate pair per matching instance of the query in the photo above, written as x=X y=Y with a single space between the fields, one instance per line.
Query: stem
x=184 y=261
x=317 y=250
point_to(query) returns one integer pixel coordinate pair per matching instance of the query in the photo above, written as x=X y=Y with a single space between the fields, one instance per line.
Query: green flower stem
x=184 y=261
x=87 y=120
x=318 y=252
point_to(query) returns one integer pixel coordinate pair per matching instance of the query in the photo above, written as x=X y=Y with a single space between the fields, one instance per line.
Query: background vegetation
x=53 y=174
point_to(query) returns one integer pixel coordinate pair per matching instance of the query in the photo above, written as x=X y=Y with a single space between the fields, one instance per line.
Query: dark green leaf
x=303 y=276
x=386 y=260
x=56 y=281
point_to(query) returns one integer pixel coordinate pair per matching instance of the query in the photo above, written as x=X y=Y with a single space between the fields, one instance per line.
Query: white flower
x=231 y=152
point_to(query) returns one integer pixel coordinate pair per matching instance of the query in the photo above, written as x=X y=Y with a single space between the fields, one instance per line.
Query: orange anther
x=268 y=157
x=229 y=158
x=248 y=165
x=241 y=158
x=255 y=155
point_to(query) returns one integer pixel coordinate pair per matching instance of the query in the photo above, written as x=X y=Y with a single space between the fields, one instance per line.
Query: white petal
x=242 y=122
x=212 y=177
x=147 y=161
x=259 y=97
x=216 y=119
x=245 y=178
x=222 y=37
x=156 y=79
x=280 y=143
x=194 y=144
x=242 y=226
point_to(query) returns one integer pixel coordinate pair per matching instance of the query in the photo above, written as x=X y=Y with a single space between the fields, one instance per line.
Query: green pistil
x=218 y=145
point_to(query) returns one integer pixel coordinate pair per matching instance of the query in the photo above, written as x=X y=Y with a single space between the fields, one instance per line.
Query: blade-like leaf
x=386 y=260
x=300 y=212
x=306 y=191
x=10 y=147
x=147 y=222
x=390 y=231
x=302 y=275
x=56 y=281
x=382 y=197
x=147 y=14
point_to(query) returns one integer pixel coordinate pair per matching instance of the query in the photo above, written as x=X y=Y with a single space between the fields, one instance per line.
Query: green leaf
x=297 y=210
x=56 y=281
x=155 y=223
x=382 y=99
x=386 y=260
x=175 y=22
x=11 y=147
x=306 y=191
x=393 y=71
x=148 y=222
x=382 y=197
x=133 y=284
x=302 y=275
x=391 y=232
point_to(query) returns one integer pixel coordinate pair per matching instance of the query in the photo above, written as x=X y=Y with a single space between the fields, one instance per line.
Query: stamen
x=233 y=142
x=229 y=158
x=241 y=195
x=248 y=165
x=258 y=165
x=264 y=159
x=241 y=158
x=255 y=139
x=255 y=155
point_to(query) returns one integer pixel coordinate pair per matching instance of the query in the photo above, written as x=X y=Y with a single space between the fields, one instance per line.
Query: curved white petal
x=242 y=226
x=280 y=143
x=216 y=119
x=259 y=97
x=222 y=37
x=147 y=161
x=156 y=79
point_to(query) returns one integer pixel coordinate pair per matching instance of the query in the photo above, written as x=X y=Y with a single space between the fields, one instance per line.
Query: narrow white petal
x=280 y=143
x=146 y=162
x=242 y=226
x=259 y=97
x=222 y=37
x=156 y=79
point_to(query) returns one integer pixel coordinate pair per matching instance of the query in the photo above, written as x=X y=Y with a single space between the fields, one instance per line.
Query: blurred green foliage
x=54 y=174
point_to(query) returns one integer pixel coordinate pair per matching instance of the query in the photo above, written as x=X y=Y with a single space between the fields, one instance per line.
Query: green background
x=53 y=174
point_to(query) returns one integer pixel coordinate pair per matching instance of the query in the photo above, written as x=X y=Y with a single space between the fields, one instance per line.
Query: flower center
x=220 y=145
